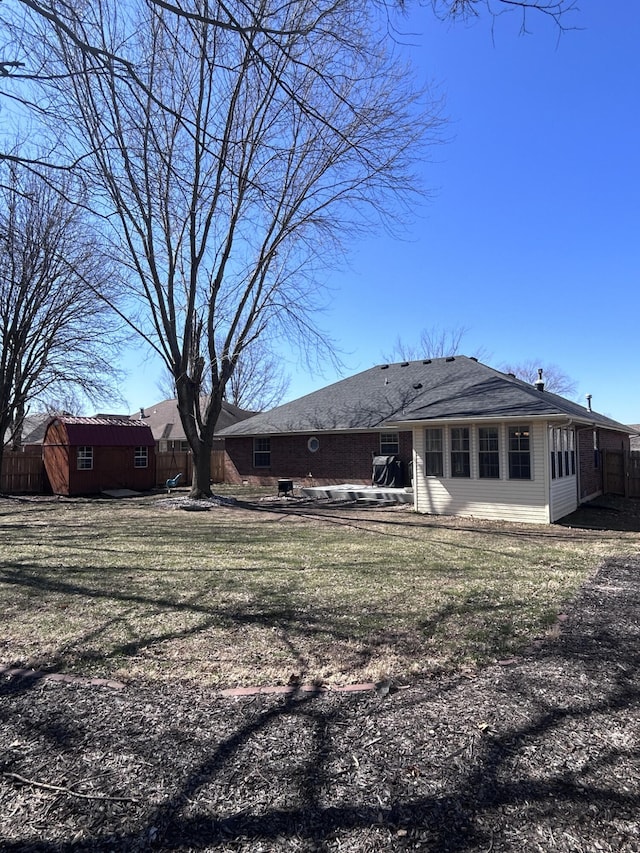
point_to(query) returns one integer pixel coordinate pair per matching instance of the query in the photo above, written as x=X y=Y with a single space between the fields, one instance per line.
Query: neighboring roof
x=103 y=432
x=164 y=419
x=432 y=389
x=34 y=427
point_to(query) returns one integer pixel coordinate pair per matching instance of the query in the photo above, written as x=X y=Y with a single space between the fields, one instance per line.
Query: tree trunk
x=201 y=483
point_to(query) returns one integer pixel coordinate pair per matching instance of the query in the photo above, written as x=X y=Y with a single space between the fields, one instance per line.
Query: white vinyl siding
x=563 y=497
x=504 y=499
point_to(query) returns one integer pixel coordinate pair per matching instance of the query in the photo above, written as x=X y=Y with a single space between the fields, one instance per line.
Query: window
x=562 y=452
x=433 y=452
x=141 y=457
x=488 y=453
x=389 y=443
x=313 y=444
x=460 y=456
x=519 y=453
x=85 y=458
x=261 y=452
x=557 y=469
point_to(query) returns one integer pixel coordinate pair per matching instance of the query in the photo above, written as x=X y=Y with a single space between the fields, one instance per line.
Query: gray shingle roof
x=165 y=423
x=433 y=389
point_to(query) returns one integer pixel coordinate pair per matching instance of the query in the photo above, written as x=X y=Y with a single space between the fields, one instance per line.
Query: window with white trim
x=488 y=453
x=520 y=452
x=84 y=458
x=562 y=452
x=262 y=452
x=141 y=457
x=389 y=443
x=460 y=452
x=433 y=455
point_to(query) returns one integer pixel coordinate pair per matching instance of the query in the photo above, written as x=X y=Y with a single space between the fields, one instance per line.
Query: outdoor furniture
x=285 y=487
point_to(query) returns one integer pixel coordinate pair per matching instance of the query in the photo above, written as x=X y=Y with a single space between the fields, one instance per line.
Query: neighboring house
x=84 y=456
x=164 y=421
x=635 y=437
x=476 y=442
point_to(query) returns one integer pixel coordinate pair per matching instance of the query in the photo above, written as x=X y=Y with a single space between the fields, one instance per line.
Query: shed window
x=389 y=443
x=460 y=452
x=85 y=458
x=433 y=452
x=141 y=457
x=488 y=453
x=262 y=452
x=519 y=453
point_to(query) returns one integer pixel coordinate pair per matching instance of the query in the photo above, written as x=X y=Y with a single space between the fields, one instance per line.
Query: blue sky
x=531 y=241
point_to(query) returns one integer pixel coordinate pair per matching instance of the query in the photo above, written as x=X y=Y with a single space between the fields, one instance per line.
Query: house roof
x=387 y=395
x=164 y=419
x=103 y=432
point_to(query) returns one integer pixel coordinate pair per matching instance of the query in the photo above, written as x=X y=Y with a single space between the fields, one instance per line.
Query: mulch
x=541 y=753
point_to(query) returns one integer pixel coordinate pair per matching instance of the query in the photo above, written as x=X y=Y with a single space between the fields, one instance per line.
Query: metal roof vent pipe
x=588 y=396
x=539 y=383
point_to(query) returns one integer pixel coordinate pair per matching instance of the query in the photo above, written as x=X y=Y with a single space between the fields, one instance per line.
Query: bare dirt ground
x=541 y=753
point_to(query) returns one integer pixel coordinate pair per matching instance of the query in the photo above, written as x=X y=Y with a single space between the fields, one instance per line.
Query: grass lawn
x=241 y=595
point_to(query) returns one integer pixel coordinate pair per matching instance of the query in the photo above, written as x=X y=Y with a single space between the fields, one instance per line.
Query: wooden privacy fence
x=621 y=473
x=23 y=470
x=172 y=462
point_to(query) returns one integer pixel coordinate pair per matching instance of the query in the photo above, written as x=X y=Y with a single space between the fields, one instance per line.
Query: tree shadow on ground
x=540 y=755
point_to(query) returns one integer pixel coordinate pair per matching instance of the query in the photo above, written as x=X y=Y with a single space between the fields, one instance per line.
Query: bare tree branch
x=55 y=334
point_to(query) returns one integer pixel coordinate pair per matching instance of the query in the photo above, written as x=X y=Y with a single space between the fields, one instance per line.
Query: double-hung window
x=389 y=444
x=85 y=458
x=488 y=453
x=262 y=452
x=141 y=457
x=460 y=452
x=519 y=453
x=433 y=466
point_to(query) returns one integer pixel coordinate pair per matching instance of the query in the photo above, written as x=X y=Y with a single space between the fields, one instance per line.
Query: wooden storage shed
x=84 y=456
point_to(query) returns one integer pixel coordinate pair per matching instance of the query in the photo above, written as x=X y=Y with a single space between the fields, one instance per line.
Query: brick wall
x=341 y=458
x=590 y=462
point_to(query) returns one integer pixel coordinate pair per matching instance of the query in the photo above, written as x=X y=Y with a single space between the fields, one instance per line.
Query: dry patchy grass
x=257 y=594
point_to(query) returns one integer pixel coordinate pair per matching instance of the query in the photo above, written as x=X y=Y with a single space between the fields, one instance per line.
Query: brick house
x=473 y=441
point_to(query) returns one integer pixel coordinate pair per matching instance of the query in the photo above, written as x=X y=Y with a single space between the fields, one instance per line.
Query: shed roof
x=427 y=390
x=103 y=432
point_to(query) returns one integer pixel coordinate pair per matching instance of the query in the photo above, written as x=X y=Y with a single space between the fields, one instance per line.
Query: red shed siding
x=113 y=464
x=341 y=458
x=591 y=473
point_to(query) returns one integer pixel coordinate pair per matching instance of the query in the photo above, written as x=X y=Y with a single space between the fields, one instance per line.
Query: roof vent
x=450 y=358
x=539 y=383
x=473 y=358
x=417 y=385
x=589 y=402
x=384 y=367
x=427 y=361
x=405 y=364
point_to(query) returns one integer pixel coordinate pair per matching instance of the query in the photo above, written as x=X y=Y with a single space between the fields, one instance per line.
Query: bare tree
x=259 y=381
x=435 y=342
x=555 y=378
x=54 y=331
x=239 y=20
x=233 y=160
x=557 y=10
